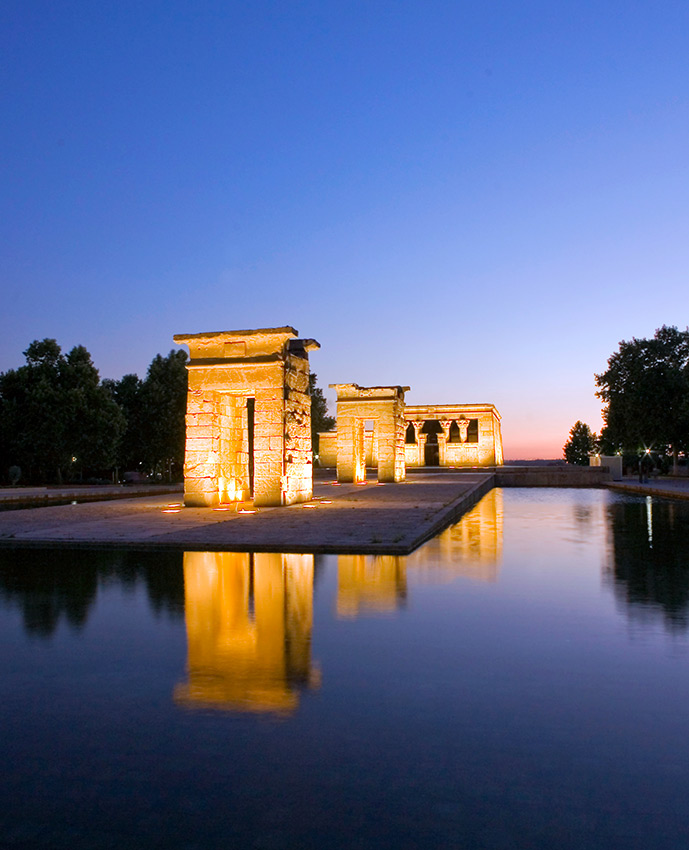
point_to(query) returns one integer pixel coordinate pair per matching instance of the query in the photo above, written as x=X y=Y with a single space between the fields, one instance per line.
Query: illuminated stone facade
x=248 y=417
x=439 y=435
x=453 y=435
x=383 y=409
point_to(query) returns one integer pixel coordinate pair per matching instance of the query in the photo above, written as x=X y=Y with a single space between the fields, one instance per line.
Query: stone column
x=387 y=448
x=420 y=440
x=359 y=452
x=269 y=447
x=442 y=439
x=202 y=456
x=346 y=463
x=463 y=425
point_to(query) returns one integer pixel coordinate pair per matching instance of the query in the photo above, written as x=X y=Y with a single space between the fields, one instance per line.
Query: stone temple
x=248 y=434
x=382 y=406
x=248 y=417
x=448 y=435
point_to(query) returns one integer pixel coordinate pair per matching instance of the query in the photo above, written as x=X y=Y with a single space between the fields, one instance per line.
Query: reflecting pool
x=521 y=681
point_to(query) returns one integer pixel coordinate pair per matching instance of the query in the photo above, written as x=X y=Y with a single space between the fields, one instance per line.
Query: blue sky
x=479 y=200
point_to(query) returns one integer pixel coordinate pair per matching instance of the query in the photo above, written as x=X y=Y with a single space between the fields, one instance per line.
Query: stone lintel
x=209 y=362
x=447 y=411
x=286 y=331
x=231 y=345
x=353 y=392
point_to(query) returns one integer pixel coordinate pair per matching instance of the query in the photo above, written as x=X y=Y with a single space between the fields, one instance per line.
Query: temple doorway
x=250 y=408
x=431 y=428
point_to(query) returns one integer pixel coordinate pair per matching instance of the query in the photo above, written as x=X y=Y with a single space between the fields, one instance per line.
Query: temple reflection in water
x=249 y=617
x=249 y=620
x=376 y=583
x=471 y=548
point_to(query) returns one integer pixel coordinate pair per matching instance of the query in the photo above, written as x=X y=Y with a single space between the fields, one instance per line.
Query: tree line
x=645 y=392
x=60 y=422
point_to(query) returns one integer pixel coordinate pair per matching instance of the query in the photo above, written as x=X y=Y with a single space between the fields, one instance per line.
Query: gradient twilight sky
x=479 y=200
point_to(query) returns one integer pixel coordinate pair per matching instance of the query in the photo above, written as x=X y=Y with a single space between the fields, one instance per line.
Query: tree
x=646 y=394
x=56 y=416
x=95 y=419
x=581 y=442
x=32 y=420
x=320 y=420
x=127 y=393
x=163 y=414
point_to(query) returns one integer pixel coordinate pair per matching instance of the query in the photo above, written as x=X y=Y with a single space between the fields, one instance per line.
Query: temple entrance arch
x=382 y=444
x=431 y=452
x=248 y=417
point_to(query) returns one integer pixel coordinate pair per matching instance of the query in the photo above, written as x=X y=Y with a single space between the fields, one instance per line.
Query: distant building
x=448 y=435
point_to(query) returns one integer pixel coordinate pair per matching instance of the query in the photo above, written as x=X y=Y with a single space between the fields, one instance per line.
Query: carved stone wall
x=248 y=417
x=467 y=435
x=383 y=408
x=470 y=434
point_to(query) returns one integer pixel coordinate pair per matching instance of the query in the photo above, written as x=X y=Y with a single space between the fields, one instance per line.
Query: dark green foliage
x=581 y=442
x=55 y=409
x=162 y=414
x=127 y=393
x=320 y=421
x=646 y=394
x=155 y=409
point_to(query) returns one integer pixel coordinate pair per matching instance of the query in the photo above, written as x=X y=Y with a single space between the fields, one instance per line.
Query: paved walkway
x=670 y=488
x=371 y=518
x=11 y=497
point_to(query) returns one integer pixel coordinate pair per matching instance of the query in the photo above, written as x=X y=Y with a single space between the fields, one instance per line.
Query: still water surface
x=521 y=681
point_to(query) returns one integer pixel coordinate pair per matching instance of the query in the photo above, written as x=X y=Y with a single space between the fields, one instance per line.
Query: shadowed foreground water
x=519 y=682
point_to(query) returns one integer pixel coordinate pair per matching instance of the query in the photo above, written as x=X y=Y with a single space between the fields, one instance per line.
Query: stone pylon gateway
x=248 y=417
x=383 y=409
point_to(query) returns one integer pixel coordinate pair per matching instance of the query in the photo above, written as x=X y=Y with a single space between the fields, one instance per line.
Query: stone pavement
x=12 y=497
x=348 y=518
x=667 y=488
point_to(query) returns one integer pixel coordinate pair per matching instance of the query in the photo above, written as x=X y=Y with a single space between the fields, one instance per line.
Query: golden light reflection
x=249 y=621
x=472 y=548
x=370 y=583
